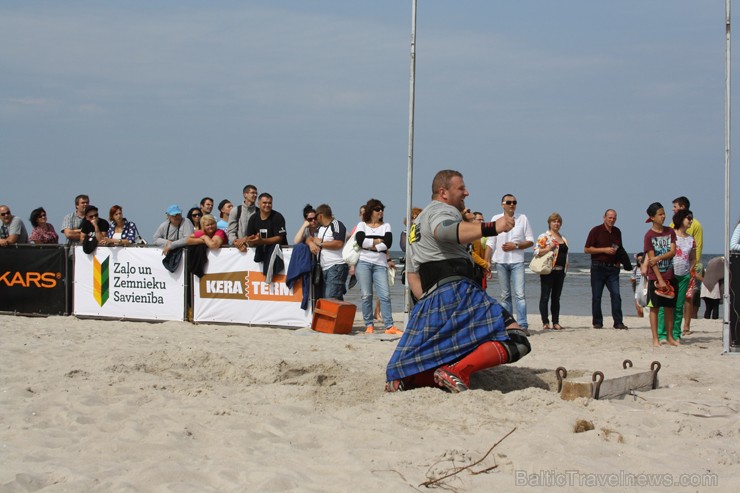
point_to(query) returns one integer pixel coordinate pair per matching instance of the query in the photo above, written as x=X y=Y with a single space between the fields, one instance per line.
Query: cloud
x=29 y=101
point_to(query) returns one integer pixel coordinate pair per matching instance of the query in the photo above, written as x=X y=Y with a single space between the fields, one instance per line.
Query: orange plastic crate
x=333 y=316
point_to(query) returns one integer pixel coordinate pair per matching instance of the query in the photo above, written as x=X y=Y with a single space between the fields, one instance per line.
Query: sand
x=91 y=405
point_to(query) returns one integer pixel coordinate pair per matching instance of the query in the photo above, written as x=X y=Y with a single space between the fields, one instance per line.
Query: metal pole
x=726 y=294
x=410 y=170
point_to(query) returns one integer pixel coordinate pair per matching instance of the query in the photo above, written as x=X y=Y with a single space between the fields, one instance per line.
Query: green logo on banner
x=100 y=280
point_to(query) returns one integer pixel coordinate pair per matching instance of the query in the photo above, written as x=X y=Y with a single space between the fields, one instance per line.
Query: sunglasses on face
x=5 y=213
x=197 y=215
x=310 y=219
x=510 y=202
x=92 y=216
x=379 y=209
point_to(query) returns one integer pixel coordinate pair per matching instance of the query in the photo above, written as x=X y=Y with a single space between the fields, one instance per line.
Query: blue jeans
x=603 y=275
x=374 y=276
x=335 y=278
x=511 y=279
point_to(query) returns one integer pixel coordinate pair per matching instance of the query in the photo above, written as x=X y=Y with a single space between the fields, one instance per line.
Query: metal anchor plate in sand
x=600 y=387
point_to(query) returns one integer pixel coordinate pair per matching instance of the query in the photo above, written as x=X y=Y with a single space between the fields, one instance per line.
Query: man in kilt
x=455 y=329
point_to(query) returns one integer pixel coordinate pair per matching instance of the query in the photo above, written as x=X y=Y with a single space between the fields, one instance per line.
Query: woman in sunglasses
x=375 y=238
x=194 y=214
x=43 y=232
x=309 y=227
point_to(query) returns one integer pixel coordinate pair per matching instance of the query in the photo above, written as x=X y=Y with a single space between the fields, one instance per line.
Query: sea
x=575 y=299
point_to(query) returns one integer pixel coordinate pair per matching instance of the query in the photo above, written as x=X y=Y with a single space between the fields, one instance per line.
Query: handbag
x=542 y=265
x=641 y=292
x=692 y=286
x=351 y=251
x=391 y=276
x=171 y=261
x=317 y=275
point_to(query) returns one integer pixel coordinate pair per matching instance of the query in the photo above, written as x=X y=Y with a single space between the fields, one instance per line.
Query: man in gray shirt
x=12 y=229
x=174 y=232
x=455 y=329
x=73 y=221
x=239 y=218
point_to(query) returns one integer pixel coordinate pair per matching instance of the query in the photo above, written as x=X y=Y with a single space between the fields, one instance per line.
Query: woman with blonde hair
x=209 y=234
x=551 y=285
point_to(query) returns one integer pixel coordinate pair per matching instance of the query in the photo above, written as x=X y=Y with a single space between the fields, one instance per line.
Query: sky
x=573 y=107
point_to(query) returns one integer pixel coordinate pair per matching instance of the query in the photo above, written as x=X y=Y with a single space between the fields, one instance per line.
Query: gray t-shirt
x=424 y=247
x=16 y=227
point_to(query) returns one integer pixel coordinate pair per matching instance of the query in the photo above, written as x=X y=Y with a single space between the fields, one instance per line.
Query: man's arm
x=333 y=244
x=469 y=232
x=233 y=226
x=158 y=237
x=414 y=283
x=593 y=250
x=698 y=235
x=528 y=235
x=69 y=232
x=12 y=239
x=255 y=240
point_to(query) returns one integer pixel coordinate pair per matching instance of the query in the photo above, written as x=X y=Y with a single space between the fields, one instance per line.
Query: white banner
x=128 y=283
x=233 y=290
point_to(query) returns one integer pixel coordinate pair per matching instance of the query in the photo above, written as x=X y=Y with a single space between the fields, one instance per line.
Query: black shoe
x=598 y=326
x=620 y=326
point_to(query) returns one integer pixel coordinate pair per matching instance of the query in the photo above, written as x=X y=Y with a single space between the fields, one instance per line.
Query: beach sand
x=92 y=405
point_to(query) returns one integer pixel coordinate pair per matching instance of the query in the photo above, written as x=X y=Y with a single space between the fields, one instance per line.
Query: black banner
x=734 y=299
x=33 y=279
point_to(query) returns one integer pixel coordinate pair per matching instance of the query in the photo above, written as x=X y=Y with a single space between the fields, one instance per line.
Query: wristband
x=488 y=229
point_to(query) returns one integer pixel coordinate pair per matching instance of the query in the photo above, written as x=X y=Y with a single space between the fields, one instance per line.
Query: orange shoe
x=393 y=330
x=370 y=330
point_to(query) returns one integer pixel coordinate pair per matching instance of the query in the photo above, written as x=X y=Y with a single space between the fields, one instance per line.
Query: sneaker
x=393 y=330
x=394 y=386
x=370 y=329
x=444 y=377
x=620 y=326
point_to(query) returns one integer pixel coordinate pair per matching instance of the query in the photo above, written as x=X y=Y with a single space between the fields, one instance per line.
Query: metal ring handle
x=597 y=384
x=561 y=373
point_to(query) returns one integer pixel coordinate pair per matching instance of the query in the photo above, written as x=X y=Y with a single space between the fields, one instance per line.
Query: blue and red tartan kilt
x=445 y=326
